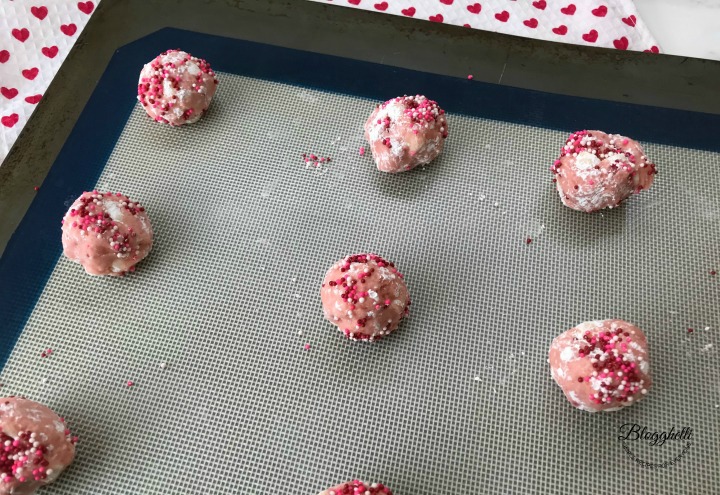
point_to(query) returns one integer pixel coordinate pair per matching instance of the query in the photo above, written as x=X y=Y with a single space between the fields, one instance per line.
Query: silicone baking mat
x=213 y=327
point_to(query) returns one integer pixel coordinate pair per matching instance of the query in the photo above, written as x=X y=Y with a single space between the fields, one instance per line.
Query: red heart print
x=410 y=11
x=68 y=29
x=630 y=21
x=8 y=93
x=10 y=120
x=39 y=12
x=30 y=73
x=474 y=8
x=621 y=44
x=531 y=23
x=381 y=6
x=34 y=99
x=600 y=11
x=50 y=51
x=561 y=30
x=503 y=16
x=21 y=34
x=540 y=4
x=436 y=18
x=86 y=7
x=447 y=2
x=354 y=2
x=4 y=56
x=569 y=10
x=653 y=49
x=590 y=37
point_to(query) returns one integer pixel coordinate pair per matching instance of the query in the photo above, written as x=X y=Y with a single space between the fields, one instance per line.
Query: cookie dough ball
x=176 y=88
x=601 y=365
x=365 y=296
x=406 y=132
x=597 y=170
x=35 y=446
x=106 y=233
x=357 y=487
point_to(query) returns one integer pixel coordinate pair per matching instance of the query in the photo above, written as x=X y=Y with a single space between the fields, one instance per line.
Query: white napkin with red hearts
x=608 y=23
x=35 y=38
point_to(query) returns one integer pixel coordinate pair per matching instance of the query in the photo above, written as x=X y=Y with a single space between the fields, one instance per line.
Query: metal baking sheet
x=459 y=399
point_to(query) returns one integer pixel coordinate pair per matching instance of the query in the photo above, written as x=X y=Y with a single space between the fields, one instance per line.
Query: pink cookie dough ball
x=35 y=446
x=406 y=132
x=108 y=234
x=357 y=487
x=597 y=170
x=365 y=296
x=176 y=88
x=601 y=365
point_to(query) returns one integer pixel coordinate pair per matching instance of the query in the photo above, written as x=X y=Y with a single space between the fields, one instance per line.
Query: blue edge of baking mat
x=35 y=247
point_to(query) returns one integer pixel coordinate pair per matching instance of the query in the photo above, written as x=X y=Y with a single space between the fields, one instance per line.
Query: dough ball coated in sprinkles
x=35 y=446
x=405 y=132
x=365 y=296
x=176 y=88
x=601 y=365
x=357 y=487
x=597 y=170
x=108 y=234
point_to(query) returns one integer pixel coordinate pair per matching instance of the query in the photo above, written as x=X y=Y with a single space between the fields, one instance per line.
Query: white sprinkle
x=44 y=380
x=707 y=347
x=163 y=365
x=496 y=204
x=297 y=296
x=477 y=378
x=293 y=280
x=300 y=332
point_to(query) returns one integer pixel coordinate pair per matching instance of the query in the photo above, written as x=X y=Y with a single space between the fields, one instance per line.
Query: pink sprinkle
x=362 y=150
x=37 y=188
x=306 y=347
x=130 y=383
x=470 y=77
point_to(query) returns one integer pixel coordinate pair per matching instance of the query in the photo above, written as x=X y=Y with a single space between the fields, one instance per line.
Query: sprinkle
x=470 y=77
x=477 y=378
x=300 y=332
x=163 y=365
x=130 y=383
x=690 y=330
x=306 y=347
x=707 y=347
x=713 y=273
x=528 y=240
x=36 y=188
x=496 y=204
x=362 y=150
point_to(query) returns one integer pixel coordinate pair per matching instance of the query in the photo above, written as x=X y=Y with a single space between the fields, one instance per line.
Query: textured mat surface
x=458 y=400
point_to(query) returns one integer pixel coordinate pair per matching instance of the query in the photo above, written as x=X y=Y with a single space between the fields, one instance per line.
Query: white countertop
x=690 y=28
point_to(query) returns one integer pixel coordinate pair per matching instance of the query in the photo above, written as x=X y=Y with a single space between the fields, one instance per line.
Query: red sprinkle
x=528 y=241
x=37 y=188
x=690 y=330
x=713 y=272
